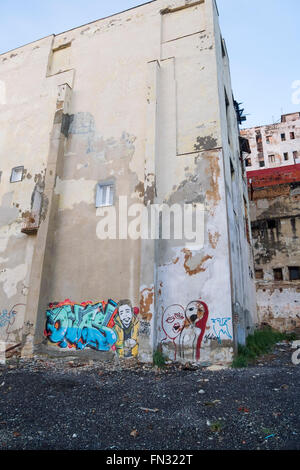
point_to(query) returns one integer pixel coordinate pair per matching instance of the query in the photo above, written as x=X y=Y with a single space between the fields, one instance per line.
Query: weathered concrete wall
x=275 y=232
x=137 y=100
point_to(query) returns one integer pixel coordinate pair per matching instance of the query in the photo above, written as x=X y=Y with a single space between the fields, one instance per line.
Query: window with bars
x=105 y=194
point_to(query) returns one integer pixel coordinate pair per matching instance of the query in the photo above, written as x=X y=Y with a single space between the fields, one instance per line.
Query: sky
x=262 y=38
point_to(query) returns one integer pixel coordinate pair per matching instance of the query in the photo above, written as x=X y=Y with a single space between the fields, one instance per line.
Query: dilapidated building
x=275 y=144
x=130 y=111
x=275 y=220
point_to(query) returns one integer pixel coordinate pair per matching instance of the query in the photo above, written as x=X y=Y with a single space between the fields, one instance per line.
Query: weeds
x=216 y=426
x=259 y=343
x=159 y=359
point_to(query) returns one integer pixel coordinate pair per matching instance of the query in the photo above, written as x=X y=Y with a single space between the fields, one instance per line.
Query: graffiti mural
x=9 y=322
x=7 y=317
x=196 y=314
x=101 y=326
x=221 y=327
x=186 y=327
x=173 y=320
x=126 y=326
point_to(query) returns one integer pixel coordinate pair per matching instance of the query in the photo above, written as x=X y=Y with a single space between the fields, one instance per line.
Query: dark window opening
x=272 y=158
x=292 y=135
x=278 y=275
x=248 y=162
x=294 y=272
x=261 y=164
x=286 y=155
x=259 y=143
x=271 y=223
x=227 y=104
x=223 y=48
x=282 y=137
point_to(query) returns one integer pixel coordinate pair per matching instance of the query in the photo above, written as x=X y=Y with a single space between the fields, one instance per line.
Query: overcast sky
x=262 y=38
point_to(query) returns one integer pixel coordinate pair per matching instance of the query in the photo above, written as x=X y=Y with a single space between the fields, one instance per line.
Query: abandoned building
x=275 y=221
x=274 y=145
x=134 y=108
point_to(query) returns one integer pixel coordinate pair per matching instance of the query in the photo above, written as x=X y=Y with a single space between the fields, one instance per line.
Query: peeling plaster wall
x=26 y=117
x=146 y=111
x=275 y=231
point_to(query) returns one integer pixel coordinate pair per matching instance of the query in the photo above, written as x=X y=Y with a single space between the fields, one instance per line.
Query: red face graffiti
x=173 y=321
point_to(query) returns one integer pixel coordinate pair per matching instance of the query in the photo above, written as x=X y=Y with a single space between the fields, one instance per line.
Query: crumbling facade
x=136 y=106
x=275 y=220
x=274 y=145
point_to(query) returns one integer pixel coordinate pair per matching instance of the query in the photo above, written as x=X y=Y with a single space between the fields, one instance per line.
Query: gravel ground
x=64 y=404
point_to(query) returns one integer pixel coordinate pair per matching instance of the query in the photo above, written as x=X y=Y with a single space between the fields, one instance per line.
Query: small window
x=248 y=162
x=268 y=139
x=286 y=155
x=17 y=174
x=294 y=272
x=262 y=164
x=105 y=194
x=295 y=154
x=259 y=274
x=278 y=275
x=282 y=137
x=272 y=158
x=292 y=135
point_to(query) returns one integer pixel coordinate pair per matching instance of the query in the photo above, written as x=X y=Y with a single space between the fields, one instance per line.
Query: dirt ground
x=53 y=404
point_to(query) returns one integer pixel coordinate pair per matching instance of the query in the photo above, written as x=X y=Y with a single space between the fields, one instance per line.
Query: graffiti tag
x=101 y=326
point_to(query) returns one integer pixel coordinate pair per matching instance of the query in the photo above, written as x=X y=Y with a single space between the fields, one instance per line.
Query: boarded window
x=17 y=174
x=294 y=272
x=259 y=274
x=105 y=194
x=60 y=59
x=278 y=275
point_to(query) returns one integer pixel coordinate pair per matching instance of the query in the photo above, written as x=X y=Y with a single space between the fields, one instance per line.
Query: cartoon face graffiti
x=173 y=321
x=126 y=325
x=194 y=312
x=125 y=314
